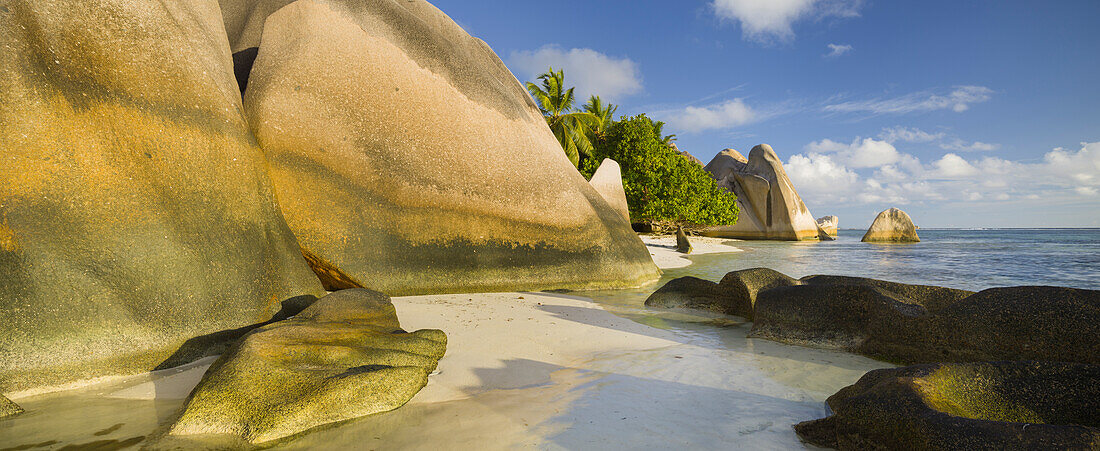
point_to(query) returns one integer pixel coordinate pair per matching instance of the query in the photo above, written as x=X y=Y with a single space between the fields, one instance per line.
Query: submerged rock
x=135 y=208
x=892 y=226
x=734 y=295
x=829 y=225
x=608 y=181
x=998 y=405
x=683 y=246
x=408 y=159
x=770 y=208
x=343 y=357
x=8 y=408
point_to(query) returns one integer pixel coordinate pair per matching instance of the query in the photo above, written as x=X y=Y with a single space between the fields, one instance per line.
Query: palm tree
x=569 y=126
x=604 y=112
x=666 y=139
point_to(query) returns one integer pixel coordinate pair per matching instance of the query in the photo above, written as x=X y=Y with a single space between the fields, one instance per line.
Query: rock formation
x=135 y=210
x=998 y=405
x=685 y=154
x=892 y=226
x=901 y=322
x=408 y=159
x=343 y=357
x=683 y=245
x=770 y=208
x=8 y=408
x=608 y=181
x=828 y=224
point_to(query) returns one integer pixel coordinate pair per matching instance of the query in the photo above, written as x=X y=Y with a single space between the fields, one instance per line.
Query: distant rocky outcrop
x=997 y=405
x=375 y=118
x=136 y=212
x=686 y=155
x=828 y=224
x=770 y=208
x=892 y=226
x=343 y=357
x=683 y=245
x=901 y=322
x=8 y=408
x=608 y=181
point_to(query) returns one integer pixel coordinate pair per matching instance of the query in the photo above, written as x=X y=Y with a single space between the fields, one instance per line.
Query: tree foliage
x=569 y=126
x=660 y=184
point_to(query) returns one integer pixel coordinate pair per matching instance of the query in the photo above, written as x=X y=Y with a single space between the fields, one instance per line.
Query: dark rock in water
x=693 y=293
x=136 y=211
x=998 y=405
x=8 y=408
x=683 y=246
x=931 y=324
x=745 y=286
x=343 y=357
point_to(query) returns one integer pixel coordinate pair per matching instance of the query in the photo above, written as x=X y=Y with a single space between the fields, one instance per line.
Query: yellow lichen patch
x=968 y=392
x=7 y=239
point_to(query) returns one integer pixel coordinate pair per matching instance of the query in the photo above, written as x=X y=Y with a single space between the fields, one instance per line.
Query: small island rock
x=892 y=226
x=683 y=246
x=343 y=357
x=997 y=405
x=829 y=224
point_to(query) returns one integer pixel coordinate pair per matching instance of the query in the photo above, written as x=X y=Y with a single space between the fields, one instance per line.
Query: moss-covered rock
x=999 y=405
x=408 y=159
x=135 y=207
x=734 y=295
x=8 y=408
x=343 y=357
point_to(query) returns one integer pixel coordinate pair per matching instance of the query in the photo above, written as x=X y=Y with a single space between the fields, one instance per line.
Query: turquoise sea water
x=966 y=259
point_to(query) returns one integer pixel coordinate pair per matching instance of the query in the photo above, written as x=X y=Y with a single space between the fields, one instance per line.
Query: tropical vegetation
x=570 y=127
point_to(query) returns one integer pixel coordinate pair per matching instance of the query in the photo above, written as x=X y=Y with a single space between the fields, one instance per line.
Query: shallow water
x=714 y=388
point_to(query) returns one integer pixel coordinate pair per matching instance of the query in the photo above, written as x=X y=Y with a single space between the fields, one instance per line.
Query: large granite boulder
x=829 y=225
x=343 y=357
x=685 y=154
x=608 y=181
x=999 y=405
x=135 y=210
x=734 y=295
x=770 y=208
x=8 y=408
x=408 y=159
x=920 y=324
x=892 y=226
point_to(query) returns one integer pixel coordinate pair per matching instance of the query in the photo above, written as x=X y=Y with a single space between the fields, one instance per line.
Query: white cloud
x=958 y=100
x=730 y=113
x=861 y=153
x=837 y=50
x=915 y=135
x=770 y=20
x=592 y=72
x=963 y=146
x=822 y=176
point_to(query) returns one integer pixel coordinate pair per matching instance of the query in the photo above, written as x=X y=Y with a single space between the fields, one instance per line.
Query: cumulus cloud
x=837 y=50
x=592 y=72
x=730 y=113
x=959 y=99
x=861 y=153
x=772 y=20
x=822 y=176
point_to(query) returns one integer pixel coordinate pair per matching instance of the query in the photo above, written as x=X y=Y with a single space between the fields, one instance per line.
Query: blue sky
x=963 y=113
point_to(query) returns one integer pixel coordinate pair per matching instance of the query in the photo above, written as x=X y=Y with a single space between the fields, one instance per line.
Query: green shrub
x=660 y=184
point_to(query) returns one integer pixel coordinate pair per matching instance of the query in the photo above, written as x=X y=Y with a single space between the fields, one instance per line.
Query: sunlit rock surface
x=997 y=405
x=343 y=357
x=770 y=208
x=892 y=226
x=408 y=159
x=829 y=224
x=135 y=211
x=608 y=181
x=8 y=408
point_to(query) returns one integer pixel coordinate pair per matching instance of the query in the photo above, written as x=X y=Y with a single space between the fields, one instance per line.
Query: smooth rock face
x=8 y=408
x=408 y=159
x=918 y=324
x=135 y=210
x=683 y=245
x=828 y=224
x=343 y=357
x=770 y=207
x=608 y=181
x=997 y=405
x=734 y=295
x=892 y=226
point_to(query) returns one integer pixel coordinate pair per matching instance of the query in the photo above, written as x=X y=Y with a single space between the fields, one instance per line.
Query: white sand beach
x=663 y=249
